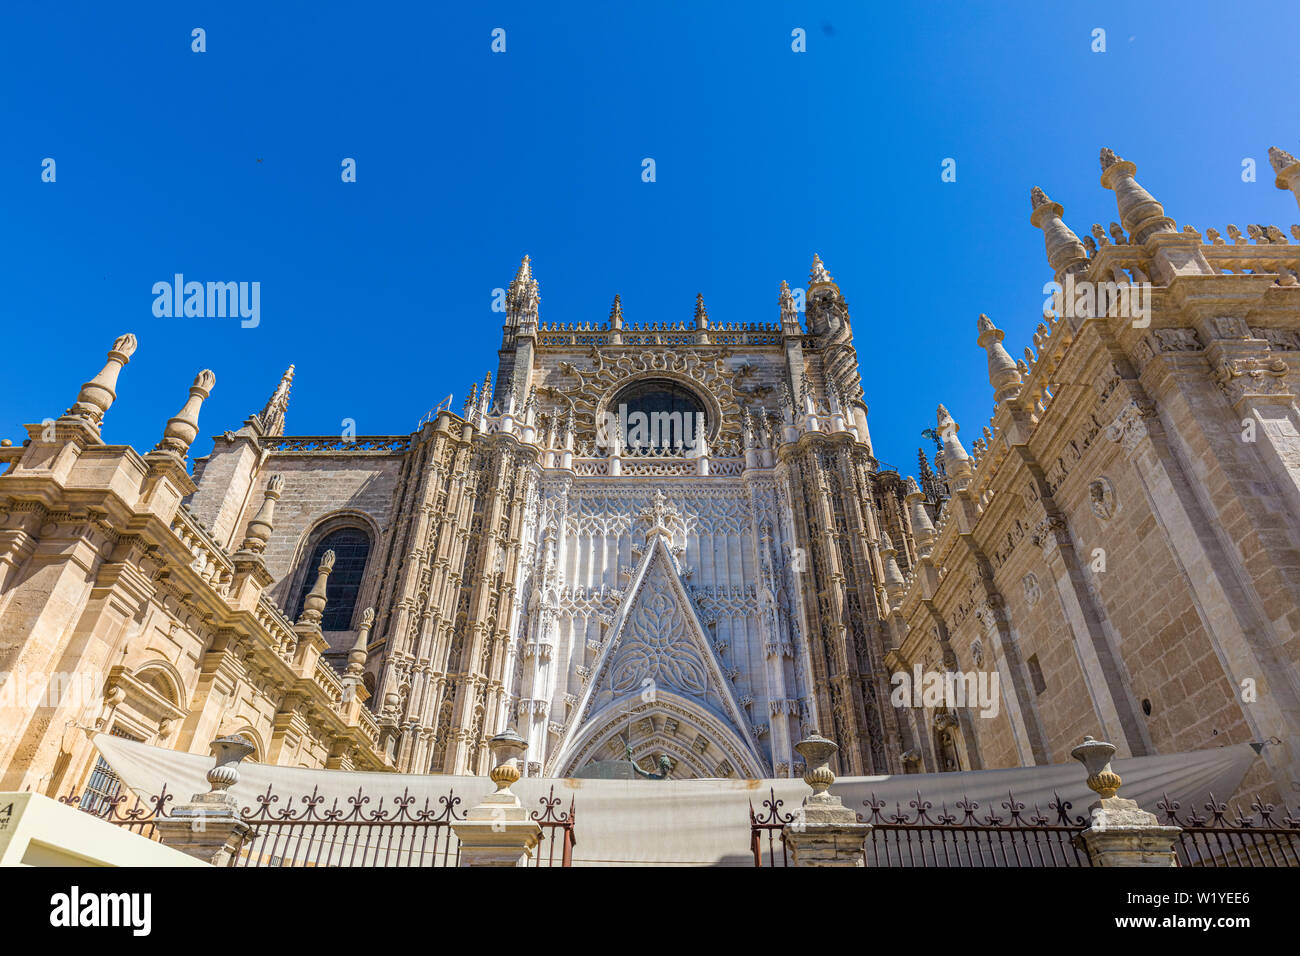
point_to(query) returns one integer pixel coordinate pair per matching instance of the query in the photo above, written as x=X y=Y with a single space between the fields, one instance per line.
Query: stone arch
x=692 y=722
x=302 y=576
x=713 y=412
x=253 y=737
x=163 y=677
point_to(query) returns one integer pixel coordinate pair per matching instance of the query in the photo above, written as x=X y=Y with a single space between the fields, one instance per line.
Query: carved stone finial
x=1003 y=376
x=922 y=526
x=182 y=429
x=313 y=606
x=259 y=529
x=357 y=656
x=1287 y=169
x=1065 y=253
x=97 y=395
x=818 y=274
x=1139 y=211
x=616 y=314
x=789 y=314
x=1280 y=159
x=701 y=313
x=955 y=459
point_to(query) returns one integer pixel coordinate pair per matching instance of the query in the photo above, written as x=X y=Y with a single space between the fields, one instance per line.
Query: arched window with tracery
x=351 y=547
x=657 y=415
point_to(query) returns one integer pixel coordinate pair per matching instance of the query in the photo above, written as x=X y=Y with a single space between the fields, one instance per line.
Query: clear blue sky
x=225 y=166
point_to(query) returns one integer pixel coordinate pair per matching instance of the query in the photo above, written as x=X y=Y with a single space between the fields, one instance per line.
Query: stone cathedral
x=671 y=538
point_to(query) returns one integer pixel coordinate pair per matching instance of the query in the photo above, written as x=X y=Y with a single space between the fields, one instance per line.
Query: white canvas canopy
x=693 y=822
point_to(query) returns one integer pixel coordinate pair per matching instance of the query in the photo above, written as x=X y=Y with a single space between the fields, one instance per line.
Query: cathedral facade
x=674 y=539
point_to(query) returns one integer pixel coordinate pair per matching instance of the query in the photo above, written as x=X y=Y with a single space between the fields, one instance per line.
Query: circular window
x=659 y=415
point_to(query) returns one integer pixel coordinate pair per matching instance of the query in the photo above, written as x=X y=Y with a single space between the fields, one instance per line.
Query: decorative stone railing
x=328 y=680
x=278 y=625
x=662 y=467
x=317 y=444
x=210 y=561
x=676 y=333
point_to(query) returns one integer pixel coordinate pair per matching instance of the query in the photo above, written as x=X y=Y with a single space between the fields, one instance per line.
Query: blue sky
x=225 y=166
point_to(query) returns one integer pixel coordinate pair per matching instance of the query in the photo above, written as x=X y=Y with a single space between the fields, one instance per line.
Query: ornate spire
x=313 y=606
x=1139 y=212
x=1065 y=253
x=183 y=428
x=1287 y=168
x=1002 y=368
x=259 y=529
x=616 y=314
x=271 y=417
x=701 y=313
x=97 y=395
x=818 y=276
x=789 y=315
x=523 y=298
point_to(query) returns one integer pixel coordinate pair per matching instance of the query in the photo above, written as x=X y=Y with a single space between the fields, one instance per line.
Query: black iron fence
x=920 y=837
x=138 y=818
x=354 y=834
x=1259 y=839
x=1008 y=836
x=1005 y=836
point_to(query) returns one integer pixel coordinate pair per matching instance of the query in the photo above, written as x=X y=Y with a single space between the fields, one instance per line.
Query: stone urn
x=817 y=752
x=1095 y=755
x=507 y=749
x=229 y=751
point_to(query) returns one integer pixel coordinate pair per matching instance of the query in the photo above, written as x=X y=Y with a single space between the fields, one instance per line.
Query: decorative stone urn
x=229 y=751
x=507 y=750
x=1121 y=833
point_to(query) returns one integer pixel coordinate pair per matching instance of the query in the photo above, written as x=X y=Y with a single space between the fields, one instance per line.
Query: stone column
x=499 y=832
x=824 y=831
x=1121 y=832
x=209 y=827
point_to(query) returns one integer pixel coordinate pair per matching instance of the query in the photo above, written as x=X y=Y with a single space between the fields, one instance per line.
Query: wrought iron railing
x=348 y=835
x=1257 y=840
x=1007 y=839
x=765 y=836
x=918 y=838
x=139 y=818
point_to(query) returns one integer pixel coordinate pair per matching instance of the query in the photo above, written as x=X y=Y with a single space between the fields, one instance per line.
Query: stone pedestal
x=206 y=829
x=1123 y=834
x=824 y=832
x=498 y=831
